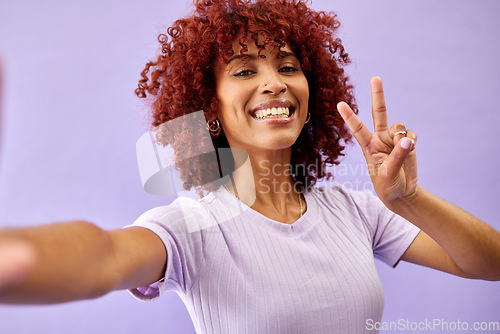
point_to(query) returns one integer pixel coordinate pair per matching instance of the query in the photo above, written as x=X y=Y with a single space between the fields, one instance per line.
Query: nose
x=272 y=83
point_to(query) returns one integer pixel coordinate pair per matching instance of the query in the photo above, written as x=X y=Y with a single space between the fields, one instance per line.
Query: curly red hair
x=181 y=80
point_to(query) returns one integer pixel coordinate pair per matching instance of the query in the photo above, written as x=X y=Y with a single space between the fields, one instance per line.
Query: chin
x=280 y=143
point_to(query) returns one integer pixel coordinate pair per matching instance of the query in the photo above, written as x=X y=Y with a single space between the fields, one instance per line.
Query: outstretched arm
x=451 y=239
x=76 y=260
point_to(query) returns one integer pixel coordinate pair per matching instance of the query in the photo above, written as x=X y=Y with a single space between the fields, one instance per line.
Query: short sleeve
x=183 y=244
x=390 y=234
x=393 y=236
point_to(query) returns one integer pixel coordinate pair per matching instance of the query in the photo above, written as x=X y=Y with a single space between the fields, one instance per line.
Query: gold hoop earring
x=308 y=118
x=214 y=127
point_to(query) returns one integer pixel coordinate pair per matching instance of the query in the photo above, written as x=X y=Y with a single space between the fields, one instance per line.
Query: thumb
x=396 y=159
x=17 y=261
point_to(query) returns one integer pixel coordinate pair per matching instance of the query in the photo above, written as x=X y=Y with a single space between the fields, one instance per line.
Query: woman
x=245 y=87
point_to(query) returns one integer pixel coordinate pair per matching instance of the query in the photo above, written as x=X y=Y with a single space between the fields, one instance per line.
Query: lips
x=271 y=107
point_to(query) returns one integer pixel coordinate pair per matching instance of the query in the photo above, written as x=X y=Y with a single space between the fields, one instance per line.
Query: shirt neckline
x=303 y=223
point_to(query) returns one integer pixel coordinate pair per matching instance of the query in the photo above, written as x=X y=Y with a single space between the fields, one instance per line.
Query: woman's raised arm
x=451 y=239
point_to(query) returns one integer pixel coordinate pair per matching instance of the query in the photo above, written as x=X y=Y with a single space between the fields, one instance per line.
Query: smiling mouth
x=280 y=112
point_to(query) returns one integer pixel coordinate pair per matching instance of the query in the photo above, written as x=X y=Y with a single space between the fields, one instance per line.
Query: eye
x=243 y=73
x=288 y=69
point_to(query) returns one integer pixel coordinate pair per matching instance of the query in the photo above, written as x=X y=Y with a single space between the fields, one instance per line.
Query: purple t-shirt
x=238 y=271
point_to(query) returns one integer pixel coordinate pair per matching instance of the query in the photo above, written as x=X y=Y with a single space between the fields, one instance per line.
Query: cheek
x=303 y=89
x=233 y=98
x=232 y=101
x=223 y=99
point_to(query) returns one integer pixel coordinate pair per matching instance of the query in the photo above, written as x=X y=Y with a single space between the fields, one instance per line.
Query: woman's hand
x=390 y=153
x=451 y=239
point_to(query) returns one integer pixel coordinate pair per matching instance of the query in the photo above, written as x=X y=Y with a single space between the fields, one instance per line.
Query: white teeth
x=272 y=112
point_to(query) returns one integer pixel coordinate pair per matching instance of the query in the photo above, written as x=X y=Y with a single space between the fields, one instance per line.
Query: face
x=263 y=102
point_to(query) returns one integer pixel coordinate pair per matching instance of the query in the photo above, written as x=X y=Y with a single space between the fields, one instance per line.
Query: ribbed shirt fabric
x=238 y=271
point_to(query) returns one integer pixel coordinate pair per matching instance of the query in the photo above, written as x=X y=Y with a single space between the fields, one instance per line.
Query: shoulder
x=338 y=195
x=352 y=207
x=184 y=213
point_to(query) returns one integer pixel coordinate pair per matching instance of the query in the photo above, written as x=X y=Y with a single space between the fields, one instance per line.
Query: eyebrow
x=253 y=57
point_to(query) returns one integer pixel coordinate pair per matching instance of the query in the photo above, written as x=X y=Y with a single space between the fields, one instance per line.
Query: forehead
x=251 y=44
x=251 y=47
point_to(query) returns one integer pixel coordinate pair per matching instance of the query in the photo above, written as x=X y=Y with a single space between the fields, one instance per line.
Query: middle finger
x=379 y=111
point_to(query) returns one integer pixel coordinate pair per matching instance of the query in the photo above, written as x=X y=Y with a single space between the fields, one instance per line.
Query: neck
x=263 y=182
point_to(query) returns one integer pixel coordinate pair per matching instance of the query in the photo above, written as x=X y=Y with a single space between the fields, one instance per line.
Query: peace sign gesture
x=389 y=153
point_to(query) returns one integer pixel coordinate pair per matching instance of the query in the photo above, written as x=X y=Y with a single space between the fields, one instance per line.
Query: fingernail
x=405 y=143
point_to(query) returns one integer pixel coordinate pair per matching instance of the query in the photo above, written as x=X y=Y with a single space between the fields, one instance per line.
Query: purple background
x=71 y=121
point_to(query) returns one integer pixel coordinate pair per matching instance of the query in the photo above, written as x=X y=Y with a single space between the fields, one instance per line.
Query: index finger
x=379 y=111
x=358 y=129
